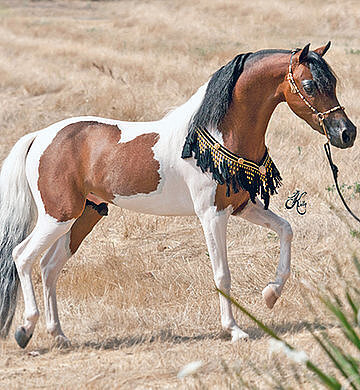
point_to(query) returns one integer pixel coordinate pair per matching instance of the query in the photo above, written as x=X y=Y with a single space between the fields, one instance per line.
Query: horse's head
x=310 y=91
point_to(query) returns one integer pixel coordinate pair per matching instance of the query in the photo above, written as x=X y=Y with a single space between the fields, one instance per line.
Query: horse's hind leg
x=255 y=213
x=54 y=260
x=45 y=233
x=51 y=264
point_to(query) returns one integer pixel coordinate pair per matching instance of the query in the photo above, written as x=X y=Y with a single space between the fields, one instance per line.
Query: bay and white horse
x=206 y=158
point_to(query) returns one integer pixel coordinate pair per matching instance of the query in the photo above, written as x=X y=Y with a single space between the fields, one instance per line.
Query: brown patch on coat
x=237 y=201
x=87 y=157
x=82 y=227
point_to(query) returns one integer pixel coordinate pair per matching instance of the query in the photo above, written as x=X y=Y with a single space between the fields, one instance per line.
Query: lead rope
x=321 y=116
x=335 y=171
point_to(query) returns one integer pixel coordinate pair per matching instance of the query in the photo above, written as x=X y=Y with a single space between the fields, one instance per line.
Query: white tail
x=17 y=213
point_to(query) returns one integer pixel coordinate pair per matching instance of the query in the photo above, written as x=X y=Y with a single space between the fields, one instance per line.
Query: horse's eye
x=309 y=86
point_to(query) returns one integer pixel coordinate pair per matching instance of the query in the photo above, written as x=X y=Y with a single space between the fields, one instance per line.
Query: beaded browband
x=294 y=89
x=228 y=168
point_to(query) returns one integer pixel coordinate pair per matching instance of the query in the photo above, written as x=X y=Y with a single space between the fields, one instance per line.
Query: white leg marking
x=51 y=264
x=214 y=225
x=255 y=213
x=45 y=233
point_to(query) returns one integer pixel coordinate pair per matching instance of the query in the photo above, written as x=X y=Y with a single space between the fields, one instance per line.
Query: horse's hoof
x=62 y=342
x=270 y=296
x=21 y=338
x=238 y=335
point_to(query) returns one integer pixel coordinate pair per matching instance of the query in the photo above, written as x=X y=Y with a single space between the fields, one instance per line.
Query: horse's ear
x=303 y=53
x=323 y=49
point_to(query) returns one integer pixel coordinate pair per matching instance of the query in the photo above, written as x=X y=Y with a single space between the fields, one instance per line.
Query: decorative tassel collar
x=230 y=169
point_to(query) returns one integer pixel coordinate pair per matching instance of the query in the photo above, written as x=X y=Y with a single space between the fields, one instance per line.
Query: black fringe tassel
x=222 y=173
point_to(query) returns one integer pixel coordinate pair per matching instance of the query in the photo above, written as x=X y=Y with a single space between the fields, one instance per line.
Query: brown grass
x=138 y=300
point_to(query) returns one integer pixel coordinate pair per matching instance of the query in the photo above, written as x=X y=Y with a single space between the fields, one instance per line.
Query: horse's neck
x=256 y=95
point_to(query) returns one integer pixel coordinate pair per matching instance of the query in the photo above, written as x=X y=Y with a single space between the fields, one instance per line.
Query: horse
x=206 y=158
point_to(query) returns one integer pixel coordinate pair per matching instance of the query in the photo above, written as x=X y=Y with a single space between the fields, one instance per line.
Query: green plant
x=355 y=233
x=347 y=364
x=349 y=189
x=354 y=51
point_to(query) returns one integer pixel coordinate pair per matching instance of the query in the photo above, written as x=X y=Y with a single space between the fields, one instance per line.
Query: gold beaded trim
x=219 y=153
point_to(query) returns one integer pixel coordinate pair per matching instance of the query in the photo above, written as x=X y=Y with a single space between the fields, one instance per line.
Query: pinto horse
x=206 y=158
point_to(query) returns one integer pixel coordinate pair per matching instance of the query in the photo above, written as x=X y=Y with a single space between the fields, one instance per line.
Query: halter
x=294 y=89
x=321 y=116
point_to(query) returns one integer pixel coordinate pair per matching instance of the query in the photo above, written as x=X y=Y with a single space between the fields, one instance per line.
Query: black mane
x=218 y=94
x=219 y=91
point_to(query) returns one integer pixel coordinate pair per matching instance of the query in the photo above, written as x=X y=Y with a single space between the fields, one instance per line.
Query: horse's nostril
x=345 y=137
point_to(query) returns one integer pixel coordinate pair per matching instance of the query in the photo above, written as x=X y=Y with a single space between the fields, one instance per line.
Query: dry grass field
x=138 y=299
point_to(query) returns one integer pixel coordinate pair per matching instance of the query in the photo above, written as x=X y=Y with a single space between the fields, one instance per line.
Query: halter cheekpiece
x=294 y=89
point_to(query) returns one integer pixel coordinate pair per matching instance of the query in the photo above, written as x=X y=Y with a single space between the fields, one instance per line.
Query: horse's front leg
x=214 y=224
x=255 y=213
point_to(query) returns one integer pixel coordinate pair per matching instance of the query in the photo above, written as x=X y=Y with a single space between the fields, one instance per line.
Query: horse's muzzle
x=342 y=134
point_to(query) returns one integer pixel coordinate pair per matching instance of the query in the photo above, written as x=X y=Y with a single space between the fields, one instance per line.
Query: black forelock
x=323 y=75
